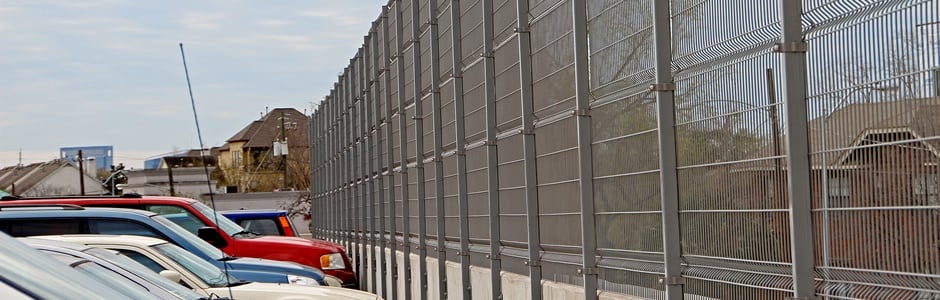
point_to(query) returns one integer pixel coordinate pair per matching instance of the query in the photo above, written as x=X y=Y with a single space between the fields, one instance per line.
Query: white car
x=204 y=278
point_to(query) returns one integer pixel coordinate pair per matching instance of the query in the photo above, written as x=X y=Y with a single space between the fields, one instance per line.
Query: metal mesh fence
x=531 y=133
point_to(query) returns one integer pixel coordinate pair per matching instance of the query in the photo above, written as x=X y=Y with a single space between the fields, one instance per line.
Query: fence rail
x=662 y=149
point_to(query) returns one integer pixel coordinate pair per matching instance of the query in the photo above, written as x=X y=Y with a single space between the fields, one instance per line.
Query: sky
x=110 y=72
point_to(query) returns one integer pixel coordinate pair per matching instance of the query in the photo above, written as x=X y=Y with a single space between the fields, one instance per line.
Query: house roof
x=263 y=132
x=861 y=124
x=26 y=177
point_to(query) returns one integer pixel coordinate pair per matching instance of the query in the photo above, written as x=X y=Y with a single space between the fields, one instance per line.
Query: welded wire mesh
x=553 y=61
x=477 y=197
x=873 y=134
x=556 y=146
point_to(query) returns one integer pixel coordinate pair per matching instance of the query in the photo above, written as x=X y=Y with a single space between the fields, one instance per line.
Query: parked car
x=131 y=282
x=27 y=274
x=225 y=234
x=263 y=221
x=21 y=220
x=205 y=278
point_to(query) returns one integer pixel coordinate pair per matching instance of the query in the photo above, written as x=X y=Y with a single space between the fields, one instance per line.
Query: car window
x=44 y=277
x=30 y=227
x=142 y=259
x=179 y=216
x=261 y=226
x=144 y=272
x=224 y=223
x=113 y=280
x=106 y=226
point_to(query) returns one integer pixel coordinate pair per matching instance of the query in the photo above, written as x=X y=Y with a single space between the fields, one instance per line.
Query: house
x=874 y=187
x=53 y=178
x=185 y=174
x=251 y=162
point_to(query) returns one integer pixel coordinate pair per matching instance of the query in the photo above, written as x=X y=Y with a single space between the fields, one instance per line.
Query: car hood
x=297 y=242
x=281 y=268
x=273 y=291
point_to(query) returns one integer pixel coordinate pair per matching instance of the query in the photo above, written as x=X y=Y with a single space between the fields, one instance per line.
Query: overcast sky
x=109 y=72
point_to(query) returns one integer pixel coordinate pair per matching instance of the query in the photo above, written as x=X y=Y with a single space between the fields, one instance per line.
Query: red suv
x=227 y=235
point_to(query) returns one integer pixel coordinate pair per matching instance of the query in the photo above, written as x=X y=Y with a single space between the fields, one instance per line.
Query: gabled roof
x=26 y=177
x=852 y=125
x=263 y=132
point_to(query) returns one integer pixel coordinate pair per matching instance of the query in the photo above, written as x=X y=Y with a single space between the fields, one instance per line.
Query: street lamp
x=825 y=165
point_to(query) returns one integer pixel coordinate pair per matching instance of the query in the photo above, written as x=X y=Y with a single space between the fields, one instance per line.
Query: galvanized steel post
x=792 y=50
x=459 y=126
x=403 y=154
x=528 y=143
x=390 y=174
x=582 y=111
x=374 y=170
x=669 y=183
x=381 y=168
x=419 y=157
x=364 y=178
x=492 y=159
x=438 y=142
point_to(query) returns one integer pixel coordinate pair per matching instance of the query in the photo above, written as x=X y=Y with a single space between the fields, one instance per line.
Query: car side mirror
x=173 y=276
x=211 y=235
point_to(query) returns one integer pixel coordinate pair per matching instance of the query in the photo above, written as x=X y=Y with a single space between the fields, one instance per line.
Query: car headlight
x=332 y=281
x=332 y=262
x=301 y=280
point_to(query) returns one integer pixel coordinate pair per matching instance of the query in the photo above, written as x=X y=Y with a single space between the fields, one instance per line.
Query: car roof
x=40 y=242
x=40 y=211
x=130 y=240
x=260 y=211
x=129 y=198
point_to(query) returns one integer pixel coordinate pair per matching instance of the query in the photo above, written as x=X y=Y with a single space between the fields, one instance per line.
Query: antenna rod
x=202 y=155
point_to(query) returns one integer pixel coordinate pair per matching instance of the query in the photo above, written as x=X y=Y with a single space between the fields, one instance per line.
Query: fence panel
x=873 y=126
x=873 y=134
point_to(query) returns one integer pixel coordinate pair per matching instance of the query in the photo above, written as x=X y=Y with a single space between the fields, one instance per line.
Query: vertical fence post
x=403 y=154
x=356 y=179
x=381 y=168
x=438 y=144
x=365 y=179
x=585 y=160
x=669 y=188
x=367 y=277
x=461 y=154
x=393 y=231
x=492 y=155
x=314 y=164
x=347 y=161
x=528 y=144
x=419 y=154
x=375 y=170
x=792 y=50
x=337 y=168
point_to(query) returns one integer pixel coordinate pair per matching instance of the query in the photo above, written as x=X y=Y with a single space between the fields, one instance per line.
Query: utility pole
x=283 y=143
x=81 y=173
x=169 y=173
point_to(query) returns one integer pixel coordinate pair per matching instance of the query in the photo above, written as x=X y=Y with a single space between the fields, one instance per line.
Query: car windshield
x=104 y=275
x=132 y=266
x=224 y=223
x=208 y=273
x=201 y=245
x=45 y=277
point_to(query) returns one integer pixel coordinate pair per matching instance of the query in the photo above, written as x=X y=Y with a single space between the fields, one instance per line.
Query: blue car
x=29 y=220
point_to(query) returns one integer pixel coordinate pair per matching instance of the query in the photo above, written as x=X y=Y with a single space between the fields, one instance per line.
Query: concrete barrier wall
x=515 y=286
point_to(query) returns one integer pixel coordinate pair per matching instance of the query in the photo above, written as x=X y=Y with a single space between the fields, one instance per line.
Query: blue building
x=104 y=155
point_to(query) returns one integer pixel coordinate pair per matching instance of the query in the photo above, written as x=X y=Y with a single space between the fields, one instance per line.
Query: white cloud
x=273 y=23
x=201 y=21
x=86 y=21
x=336 y=17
